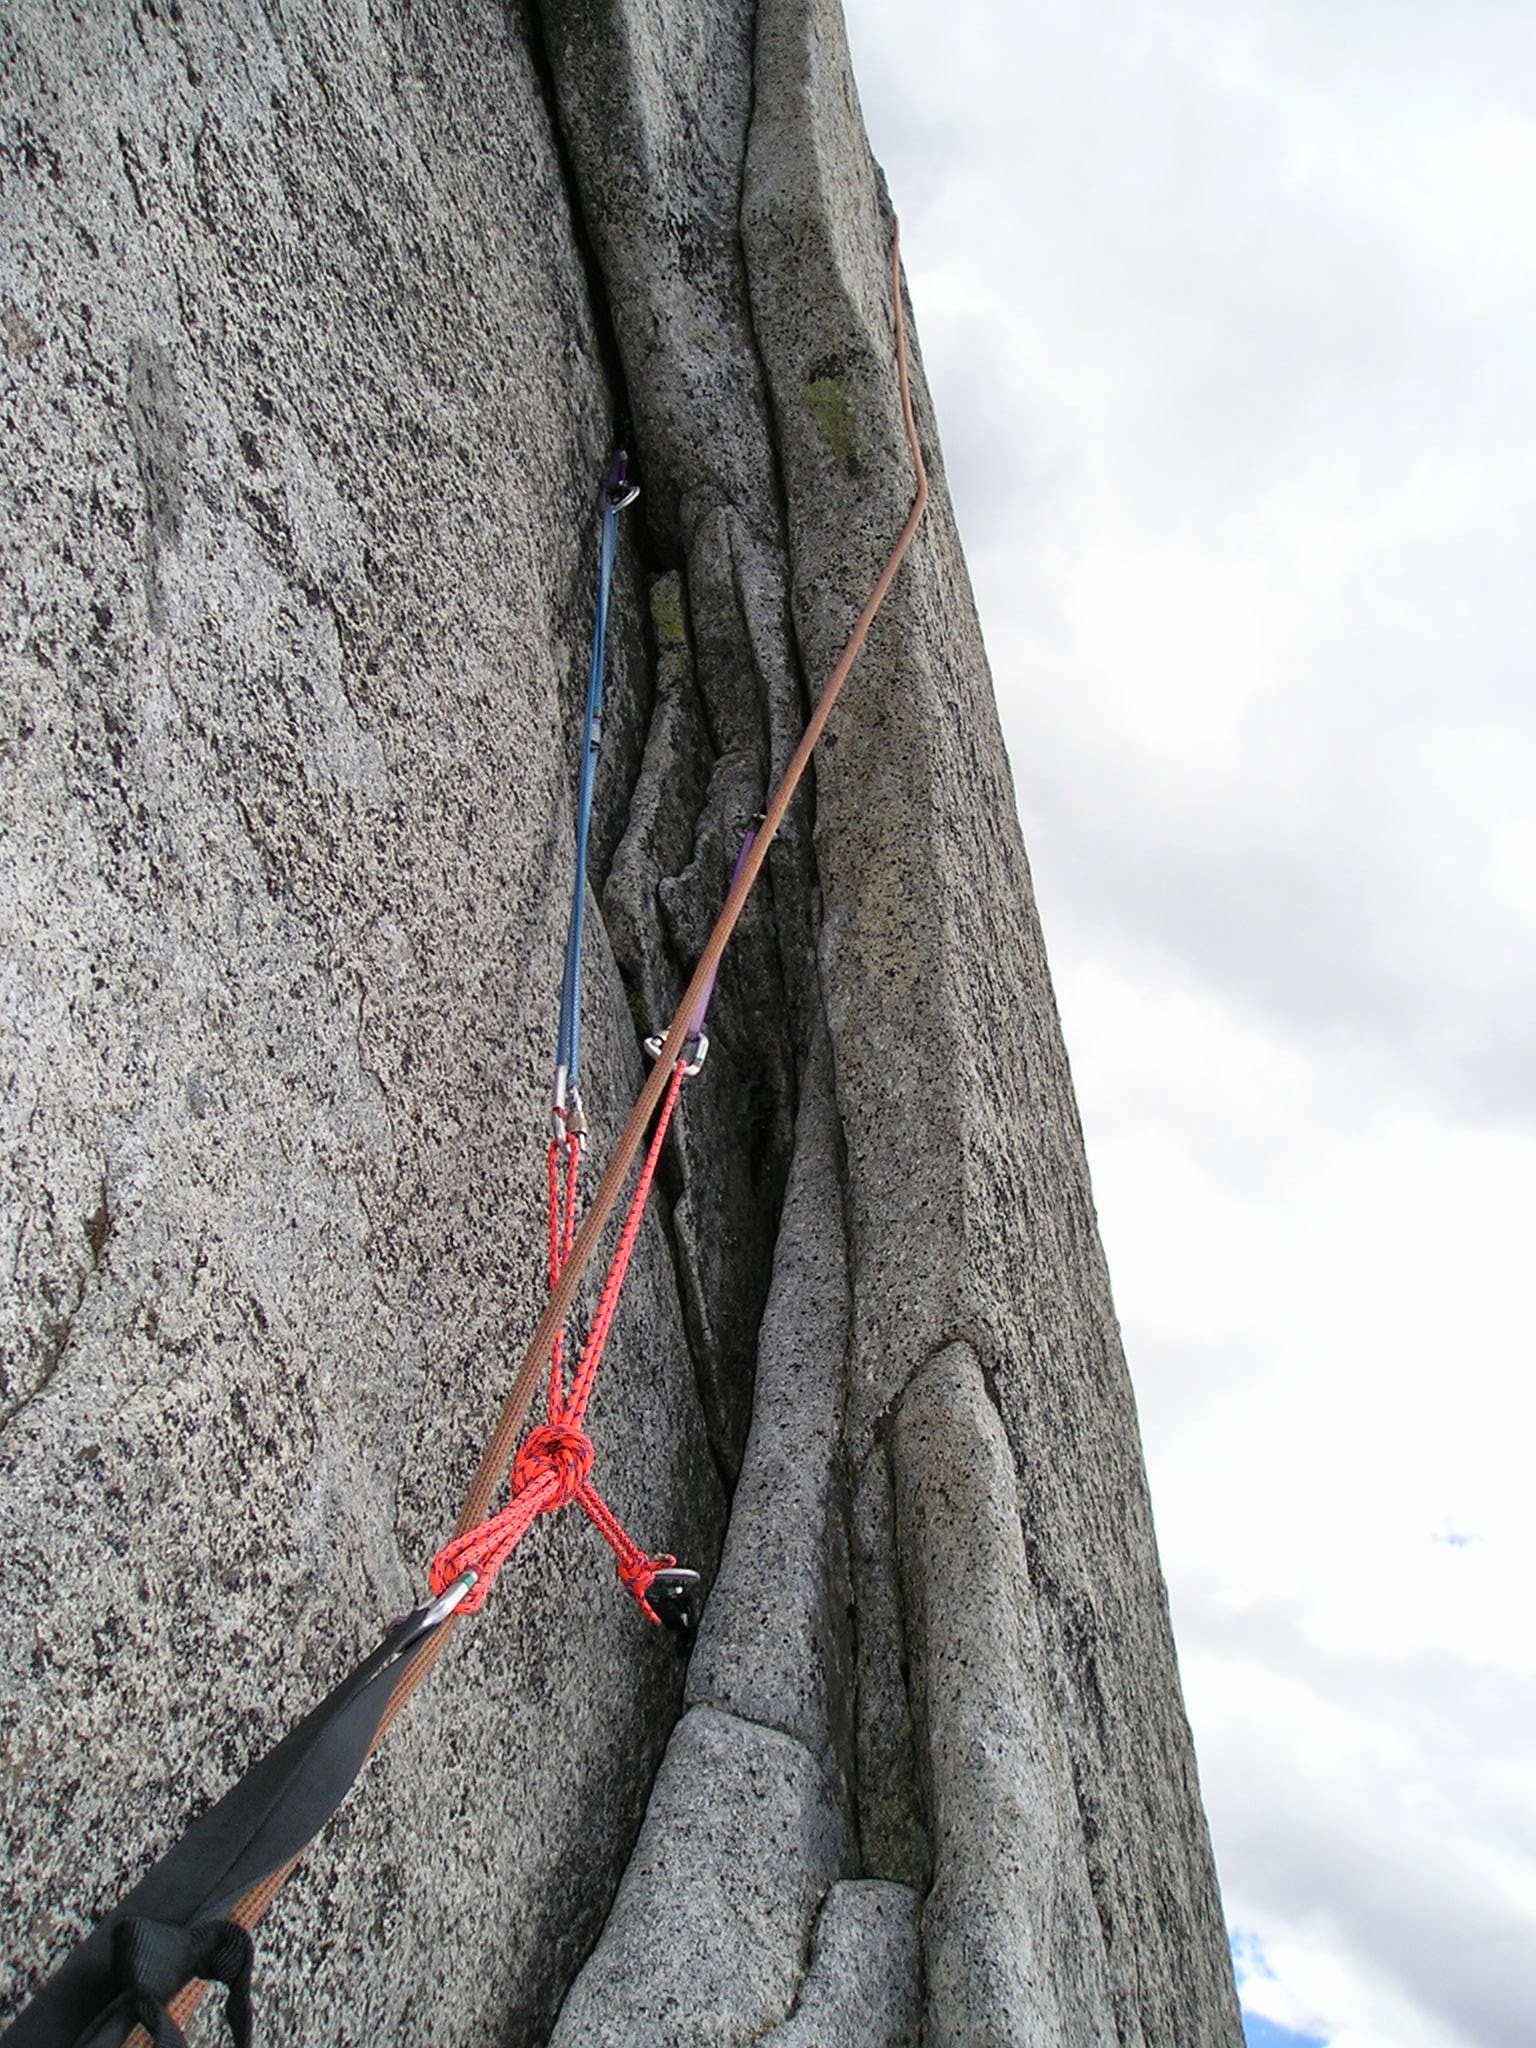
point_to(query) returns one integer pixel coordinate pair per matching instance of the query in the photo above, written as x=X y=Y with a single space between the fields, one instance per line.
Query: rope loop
x=637 y=1572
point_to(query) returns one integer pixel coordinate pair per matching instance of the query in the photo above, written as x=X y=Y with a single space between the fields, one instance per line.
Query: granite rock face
x=316 y=328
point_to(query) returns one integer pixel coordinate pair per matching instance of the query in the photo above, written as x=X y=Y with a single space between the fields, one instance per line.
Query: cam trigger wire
x=618 y=491
x=569 y=1125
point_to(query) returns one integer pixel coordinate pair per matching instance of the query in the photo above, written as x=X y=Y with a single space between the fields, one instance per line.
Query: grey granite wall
x=316 y=326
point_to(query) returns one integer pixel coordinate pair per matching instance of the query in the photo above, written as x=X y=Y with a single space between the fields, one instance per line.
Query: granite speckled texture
x=861 y=1987
x=316 y=327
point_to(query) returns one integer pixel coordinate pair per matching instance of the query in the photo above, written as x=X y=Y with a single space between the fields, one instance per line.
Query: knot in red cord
x=556 y=1450
x=636 y=1571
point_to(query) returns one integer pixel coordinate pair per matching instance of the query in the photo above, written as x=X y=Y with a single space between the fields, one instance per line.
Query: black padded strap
x=256 y=1828
x=150 y=1964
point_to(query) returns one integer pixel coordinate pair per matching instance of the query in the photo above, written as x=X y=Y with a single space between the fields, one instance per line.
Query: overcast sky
x=1230 y=315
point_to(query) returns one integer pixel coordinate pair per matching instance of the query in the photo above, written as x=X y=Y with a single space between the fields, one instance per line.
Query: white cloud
x=1386 y=1866
x=1247 y=299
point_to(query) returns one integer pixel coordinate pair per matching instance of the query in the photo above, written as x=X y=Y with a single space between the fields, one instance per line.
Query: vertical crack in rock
x=776 y=1645
x=671 y=868
x=645 y=114
x=893 y=1830
x=525 y=16
x=751 y=1818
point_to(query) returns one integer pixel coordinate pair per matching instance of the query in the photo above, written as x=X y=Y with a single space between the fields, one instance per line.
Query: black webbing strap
x=108 y=1983
x=150 y=1964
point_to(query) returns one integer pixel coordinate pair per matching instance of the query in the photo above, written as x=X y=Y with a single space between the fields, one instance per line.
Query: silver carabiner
x=618 y=491
x=699 y=1040
x=410 y=1628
